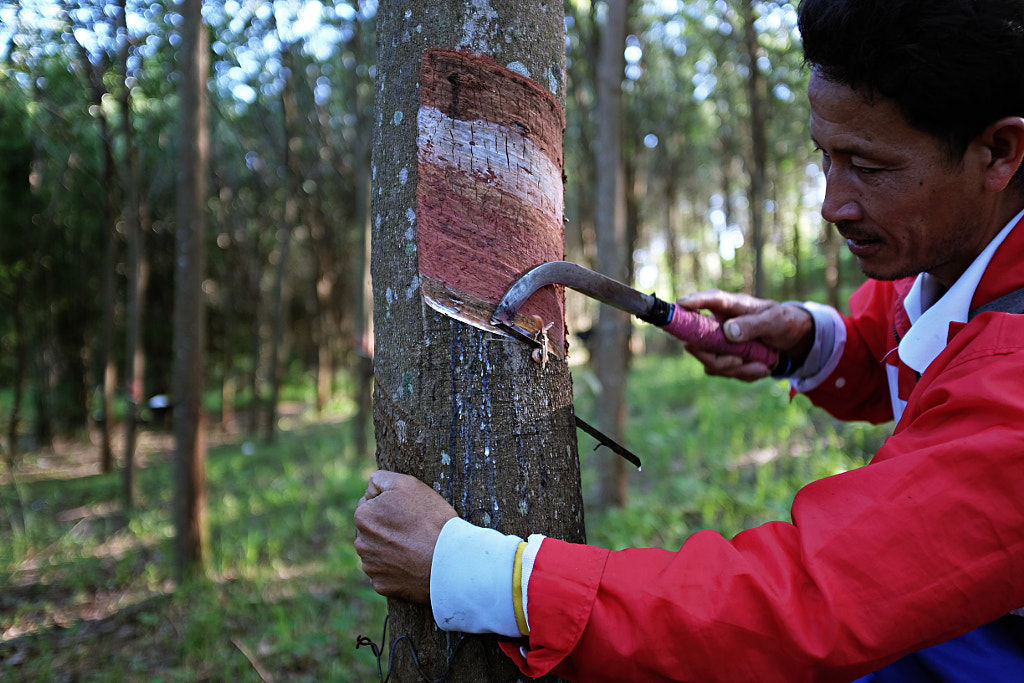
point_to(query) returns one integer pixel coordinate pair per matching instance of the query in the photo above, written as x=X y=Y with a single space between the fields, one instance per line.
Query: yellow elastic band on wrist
x=517 y=591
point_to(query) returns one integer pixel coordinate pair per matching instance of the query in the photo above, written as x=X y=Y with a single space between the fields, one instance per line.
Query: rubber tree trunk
x=138 y=274
x=361 y=284
x=98 y=90
x=467 y=411
x=611 y=344
x=191 y=542
x=289 y=217
x=757 y=163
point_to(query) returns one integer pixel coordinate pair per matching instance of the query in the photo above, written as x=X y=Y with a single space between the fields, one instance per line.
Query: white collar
x=929 y=330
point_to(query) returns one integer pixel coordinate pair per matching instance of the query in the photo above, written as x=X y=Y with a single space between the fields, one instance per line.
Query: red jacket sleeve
x=923 y=544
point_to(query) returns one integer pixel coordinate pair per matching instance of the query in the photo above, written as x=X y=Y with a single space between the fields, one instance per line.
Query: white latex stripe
x=503 y=156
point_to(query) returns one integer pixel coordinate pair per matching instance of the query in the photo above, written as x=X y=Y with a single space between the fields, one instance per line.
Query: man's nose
x=842 y=202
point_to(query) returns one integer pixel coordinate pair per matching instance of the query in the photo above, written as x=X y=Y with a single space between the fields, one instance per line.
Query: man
x=909 y=567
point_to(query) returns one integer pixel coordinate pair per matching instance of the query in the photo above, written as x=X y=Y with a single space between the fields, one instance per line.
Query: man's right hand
x=785 y=327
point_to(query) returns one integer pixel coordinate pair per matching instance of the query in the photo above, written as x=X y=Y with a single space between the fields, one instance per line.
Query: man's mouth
x=860 y=244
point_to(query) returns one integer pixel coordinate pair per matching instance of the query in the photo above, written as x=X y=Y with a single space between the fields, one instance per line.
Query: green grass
x=717 y=453
x=86 y=596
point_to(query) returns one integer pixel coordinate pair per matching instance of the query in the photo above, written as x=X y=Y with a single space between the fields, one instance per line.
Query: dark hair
x=952 y=66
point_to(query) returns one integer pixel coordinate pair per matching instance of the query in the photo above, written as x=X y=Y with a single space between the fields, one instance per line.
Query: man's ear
x=1004 y=140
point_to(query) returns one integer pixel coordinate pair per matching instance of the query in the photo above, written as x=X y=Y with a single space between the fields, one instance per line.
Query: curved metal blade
x=576 y=277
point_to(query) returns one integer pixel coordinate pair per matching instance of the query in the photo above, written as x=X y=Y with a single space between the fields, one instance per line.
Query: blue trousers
x=993 y=653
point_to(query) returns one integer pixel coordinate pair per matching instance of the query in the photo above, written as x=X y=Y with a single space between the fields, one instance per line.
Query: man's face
x=892 y=192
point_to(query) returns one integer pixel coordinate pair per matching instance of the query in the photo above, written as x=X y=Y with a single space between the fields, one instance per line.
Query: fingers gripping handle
x=704 y=332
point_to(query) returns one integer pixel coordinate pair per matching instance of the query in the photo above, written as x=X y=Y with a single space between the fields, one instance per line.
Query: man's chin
x=878 y=272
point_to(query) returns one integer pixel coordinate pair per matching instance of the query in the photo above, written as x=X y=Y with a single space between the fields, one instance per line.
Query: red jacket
x=923 y=544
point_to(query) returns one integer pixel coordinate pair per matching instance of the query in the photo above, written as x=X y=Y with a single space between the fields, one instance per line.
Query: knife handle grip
x=705 y=332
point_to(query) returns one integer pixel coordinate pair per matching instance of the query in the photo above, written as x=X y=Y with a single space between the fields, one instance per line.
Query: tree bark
x=110 y=200
x=611 y=339
x=190 y=458
x=757 y=162
x=672 y=227
x=363 y=300
x=233 y=297
x=276 y=362
x=468 y=412
x=833 y=281
x=135 y=358
x=361 y=286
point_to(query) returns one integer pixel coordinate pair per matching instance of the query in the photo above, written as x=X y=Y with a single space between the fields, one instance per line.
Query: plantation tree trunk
x=40 y=322
x=728 y=155
x=233 y=298
x=276 y=355
x=362 y=292
x=697 y=237
x=276 y=361
x=25 y=322
x=20 y=357
x=468 y=412
x=109 y=364
x=672 y=227
x=581 y=244
x=757 y=160
x=135 y=392
x=321 y=295
x=798 y=286
x=16 y=206
x=611 y=336
x=190 y=456
x=831 y=246
x=135 y=358
x=109 y=269
x=361 y=286
x=254 y=260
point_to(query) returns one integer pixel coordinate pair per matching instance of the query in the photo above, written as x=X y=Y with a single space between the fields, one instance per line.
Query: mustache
x=854 y=232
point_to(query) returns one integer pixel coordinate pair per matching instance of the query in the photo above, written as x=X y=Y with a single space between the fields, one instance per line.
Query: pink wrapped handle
x=705 y=332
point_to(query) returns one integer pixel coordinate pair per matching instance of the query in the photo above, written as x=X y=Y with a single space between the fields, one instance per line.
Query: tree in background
x=20 y=270
x=193 y=146
x=610 y=341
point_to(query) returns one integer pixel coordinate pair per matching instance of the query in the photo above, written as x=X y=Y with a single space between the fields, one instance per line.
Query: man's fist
x=788 y=328
x=398 y=521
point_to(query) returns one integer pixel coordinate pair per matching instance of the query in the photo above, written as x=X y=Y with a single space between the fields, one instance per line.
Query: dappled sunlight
x=282 y=589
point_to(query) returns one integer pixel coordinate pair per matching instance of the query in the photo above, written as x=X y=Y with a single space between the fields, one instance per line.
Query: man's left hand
x=398 y=521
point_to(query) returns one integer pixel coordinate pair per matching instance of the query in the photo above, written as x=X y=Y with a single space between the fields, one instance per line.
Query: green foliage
x=717 y=454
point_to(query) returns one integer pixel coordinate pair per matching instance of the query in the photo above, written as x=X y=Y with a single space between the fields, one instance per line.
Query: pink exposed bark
x=489 y=198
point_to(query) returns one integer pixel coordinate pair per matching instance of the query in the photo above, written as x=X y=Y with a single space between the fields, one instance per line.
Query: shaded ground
x=45 y=612
x=87 y=595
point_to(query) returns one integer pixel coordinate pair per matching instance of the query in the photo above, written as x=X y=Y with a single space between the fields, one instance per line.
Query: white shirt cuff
x=829 y=342
x=471 y=579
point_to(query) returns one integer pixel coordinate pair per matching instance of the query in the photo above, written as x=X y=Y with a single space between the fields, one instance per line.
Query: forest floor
x=87 y=591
